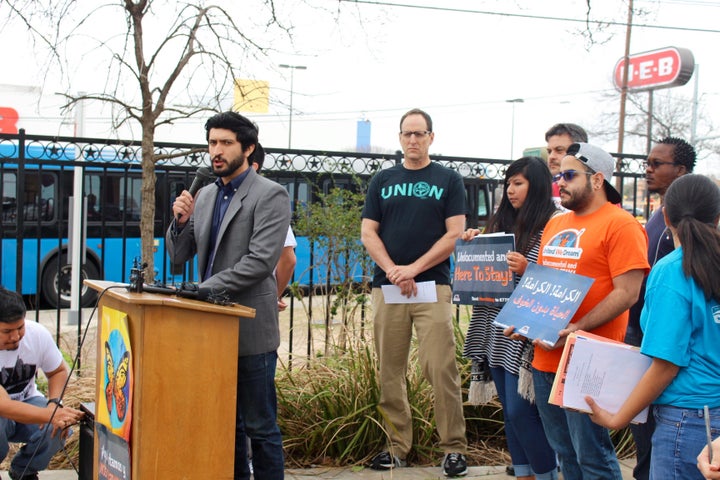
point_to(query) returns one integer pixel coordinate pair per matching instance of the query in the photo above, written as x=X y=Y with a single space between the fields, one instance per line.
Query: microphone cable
x=48 y=426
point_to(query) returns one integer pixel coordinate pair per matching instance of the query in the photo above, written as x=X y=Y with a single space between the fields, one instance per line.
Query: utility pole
x=624 y=88
x=512 y=124
x=292 y=78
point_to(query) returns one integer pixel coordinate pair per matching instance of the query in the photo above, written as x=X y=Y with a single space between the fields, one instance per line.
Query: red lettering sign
x=8 y=120
x=667 y=67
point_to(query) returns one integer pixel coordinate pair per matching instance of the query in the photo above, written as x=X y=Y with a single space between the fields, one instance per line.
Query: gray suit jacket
x=249 y=243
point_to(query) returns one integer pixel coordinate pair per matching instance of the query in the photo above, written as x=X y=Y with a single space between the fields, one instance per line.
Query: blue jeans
x=584 y=448
x=679 y=436
x=257 y=419
x=529 y=449
x=642 y=436
x=39 y=446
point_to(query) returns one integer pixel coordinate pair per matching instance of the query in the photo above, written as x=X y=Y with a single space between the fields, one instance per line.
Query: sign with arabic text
x=544 y=302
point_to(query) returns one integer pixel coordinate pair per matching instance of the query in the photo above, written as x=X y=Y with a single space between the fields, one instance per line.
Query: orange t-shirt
x=601 y=245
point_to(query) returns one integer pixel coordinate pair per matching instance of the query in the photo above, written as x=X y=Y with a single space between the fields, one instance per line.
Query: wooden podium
x=184 y=357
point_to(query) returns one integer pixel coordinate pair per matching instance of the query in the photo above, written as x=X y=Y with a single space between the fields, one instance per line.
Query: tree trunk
x=147 y=215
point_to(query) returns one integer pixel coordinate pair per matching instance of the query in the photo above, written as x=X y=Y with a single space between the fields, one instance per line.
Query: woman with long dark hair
x=681 y=327
x=524 y=209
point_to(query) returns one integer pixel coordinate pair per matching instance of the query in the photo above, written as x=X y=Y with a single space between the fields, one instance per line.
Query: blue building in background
x=363 y=136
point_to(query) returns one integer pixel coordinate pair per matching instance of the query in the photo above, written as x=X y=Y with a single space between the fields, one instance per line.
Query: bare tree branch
x=201 y=42
x=671 y=116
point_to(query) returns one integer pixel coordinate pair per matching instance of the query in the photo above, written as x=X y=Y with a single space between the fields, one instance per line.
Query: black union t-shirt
x=411 y=207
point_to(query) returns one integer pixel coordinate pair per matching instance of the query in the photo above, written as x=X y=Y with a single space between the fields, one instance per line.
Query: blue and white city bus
x=37 y=181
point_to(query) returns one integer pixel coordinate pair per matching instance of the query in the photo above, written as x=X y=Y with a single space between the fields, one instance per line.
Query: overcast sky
x=460 y=60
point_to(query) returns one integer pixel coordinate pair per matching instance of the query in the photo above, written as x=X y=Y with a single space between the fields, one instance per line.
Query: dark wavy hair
x=246 y=131
x=535 y=211
x=257 y=156
x=692 y=206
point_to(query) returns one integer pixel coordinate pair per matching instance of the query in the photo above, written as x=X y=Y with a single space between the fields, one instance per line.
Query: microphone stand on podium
x=184 y=359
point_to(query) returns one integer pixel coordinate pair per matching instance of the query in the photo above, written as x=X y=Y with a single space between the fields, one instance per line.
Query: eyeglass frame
x=657 y=163
x=418 y=134
x=568 y=175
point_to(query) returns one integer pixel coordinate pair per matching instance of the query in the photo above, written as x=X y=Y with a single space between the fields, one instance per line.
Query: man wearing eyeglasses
x=559 y=137
x=413 y=214
x=669 y=159
x=598 y=240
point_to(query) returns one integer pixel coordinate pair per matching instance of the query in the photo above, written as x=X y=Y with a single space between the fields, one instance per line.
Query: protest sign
x=544 y=302
x=481 y=275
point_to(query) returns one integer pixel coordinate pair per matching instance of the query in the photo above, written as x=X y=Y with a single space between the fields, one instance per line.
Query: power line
x=390 y=111
x=535 y=17
x=695 y=3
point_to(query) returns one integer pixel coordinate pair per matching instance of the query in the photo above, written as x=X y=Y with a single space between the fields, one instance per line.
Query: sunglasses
x=568 y=175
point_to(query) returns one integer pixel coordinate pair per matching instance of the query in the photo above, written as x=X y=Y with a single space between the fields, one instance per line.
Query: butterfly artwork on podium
x=114 y=396
x=117 y=387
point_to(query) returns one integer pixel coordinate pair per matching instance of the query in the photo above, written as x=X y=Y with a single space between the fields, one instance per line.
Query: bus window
x=298 y=189
x=39 y=198
x=9 y=197
x=131 y=197
x=93 y=194
x=303 y=193
x=330 y=183
x=479 y=196
x=47 y=197
x=483 y=200
x=110 y=199
x=289 y=185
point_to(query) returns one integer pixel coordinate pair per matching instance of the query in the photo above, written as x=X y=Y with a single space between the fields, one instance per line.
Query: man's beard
x=230 y=167
x=578 y=201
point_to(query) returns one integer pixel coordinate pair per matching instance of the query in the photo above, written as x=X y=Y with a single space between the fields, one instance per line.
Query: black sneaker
x=455 y=465
x=385 y=461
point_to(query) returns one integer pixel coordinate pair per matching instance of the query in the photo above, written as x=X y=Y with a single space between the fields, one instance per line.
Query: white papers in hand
x=426 y=293
x=605 y=370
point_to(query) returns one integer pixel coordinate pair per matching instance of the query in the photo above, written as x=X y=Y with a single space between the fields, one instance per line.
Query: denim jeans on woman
x=257 y=419
x=678 y=439
x=584 y=448
x=530 y=451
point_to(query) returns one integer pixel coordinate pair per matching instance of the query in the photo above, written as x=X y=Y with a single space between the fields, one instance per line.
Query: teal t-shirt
x=682 y=327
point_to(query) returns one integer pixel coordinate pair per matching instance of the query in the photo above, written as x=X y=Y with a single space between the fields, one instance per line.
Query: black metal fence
x=38 y=174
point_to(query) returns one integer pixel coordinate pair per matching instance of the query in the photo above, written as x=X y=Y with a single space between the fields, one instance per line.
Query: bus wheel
x=56 y=284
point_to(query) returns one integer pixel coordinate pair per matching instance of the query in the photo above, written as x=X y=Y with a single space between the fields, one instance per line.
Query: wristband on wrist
x=56 y=401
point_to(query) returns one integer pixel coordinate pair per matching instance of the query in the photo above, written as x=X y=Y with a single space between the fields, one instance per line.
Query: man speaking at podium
x=237 y=226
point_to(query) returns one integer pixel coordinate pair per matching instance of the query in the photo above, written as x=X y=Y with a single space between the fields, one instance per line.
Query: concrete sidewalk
x=360 y=473
x=416 y=473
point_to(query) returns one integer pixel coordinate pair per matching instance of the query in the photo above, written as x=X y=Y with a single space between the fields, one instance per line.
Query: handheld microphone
x=203 y=177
